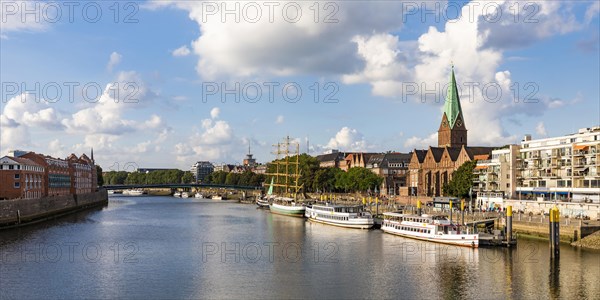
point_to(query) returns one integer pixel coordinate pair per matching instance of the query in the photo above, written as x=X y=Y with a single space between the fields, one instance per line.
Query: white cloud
x=348 y=139
x=421 y=143
x=23 y=16
x=181 y=51
x=214 y=113
x=243 y=48
x=279 y=120
x=214 y=140
x=540 y=129
x=21 y=114
x=106 y=115
x=115 y=59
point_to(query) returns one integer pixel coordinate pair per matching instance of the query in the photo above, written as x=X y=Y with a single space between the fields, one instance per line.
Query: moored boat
x=288 y=207
x=198 y=195
x=433 y=228
x=340 y=215
x=133 y=192
x=185 y=195
x=177 y=194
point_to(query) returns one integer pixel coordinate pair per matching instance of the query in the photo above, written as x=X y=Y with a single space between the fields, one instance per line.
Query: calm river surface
x=165 y=247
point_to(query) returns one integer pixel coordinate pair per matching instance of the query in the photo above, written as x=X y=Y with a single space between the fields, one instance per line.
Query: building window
x=17 y=185
x=508 y=185
x=17 y=176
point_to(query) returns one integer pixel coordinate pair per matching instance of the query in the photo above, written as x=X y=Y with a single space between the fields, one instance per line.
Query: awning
x=580 y=147
x=480 y=167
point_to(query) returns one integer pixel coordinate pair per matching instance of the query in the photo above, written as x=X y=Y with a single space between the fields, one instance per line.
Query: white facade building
x=560 y=168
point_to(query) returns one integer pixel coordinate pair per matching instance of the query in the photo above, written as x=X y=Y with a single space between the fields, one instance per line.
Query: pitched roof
x=452 y=106
x=472 y=151
x=420 y=155
x=454 y=152
x=330 y=156
x=22 y=161
x=437 y=153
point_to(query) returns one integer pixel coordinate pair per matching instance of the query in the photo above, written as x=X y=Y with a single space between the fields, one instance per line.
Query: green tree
x=232 y=179
x=99 y=176
x=188 y=177
x=461 y=182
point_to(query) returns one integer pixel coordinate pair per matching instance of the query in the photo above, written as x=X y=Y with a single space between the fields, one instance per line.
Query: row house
x=393 y=168
x=81 y=173
x=20 y=178
x=43 y=175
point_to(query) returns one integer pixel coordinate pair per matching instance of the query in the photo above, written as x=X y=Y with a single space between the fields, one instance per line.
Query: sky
x=168 y=83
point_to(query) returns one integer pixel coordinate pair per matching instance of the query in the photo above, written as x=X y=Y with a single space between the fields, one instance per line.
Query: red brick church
x=431 y=169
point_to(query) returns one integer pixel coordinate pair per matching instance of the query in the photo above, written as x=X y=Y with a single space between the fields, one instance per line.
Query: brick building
x=30 y=175
x=20 y=178
x=431 y=169
x=82 y=173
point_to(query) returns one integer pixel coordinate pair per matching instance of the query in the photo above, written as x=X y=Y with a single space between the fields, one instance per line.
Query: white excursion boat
x=433 y=228
x=198 y=195
x=185 y=195
x=339 y=215
x=177 y=194
x=133 y=192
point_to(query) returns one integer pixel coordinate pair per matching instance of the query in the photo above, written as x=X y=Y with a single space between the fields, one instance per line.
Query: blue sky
x=365 y=61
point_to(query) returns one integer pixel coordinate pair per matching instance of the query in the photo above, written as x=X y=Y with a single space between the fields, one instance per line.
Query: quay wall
x=18 y=212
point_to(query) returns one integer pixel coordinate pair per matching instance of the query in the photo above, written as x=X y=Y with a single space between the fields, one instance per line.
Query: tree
x=99 y=176
x=232 y=179
x=461 y=182
x=187 y=177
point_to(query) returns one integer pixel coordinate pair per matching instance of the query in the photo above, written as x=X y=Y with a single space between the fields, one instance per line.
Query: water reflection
x=190 y=248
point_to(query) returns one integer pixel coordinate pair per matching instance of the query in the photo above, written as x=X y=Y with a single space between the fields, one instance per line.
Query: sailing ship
x=286 y=205
x=433 y=228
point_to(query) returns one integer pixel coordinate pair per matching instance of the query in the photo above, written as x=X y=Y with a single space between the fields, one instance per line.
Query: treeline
x=247 y=178
x=313 y=178
x=154 y=177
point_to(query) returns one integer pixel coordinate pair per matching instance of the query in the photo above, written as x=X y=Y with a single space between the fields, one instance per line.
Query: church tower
x=452 y=131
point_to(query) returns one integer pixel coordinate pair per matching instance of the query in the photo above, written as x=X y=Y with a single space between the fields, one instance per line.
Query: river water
x=165 y=247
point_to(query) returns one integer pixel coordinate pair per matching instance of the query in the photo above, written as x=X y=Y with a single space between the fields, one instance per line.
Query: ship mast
x=284 y=184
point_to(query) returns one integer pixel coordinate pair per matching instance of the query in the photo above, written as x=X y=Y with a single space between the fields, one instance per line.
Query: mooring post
x=419 y=210
x=509 y=218
x=18 y=216
x=554 y=233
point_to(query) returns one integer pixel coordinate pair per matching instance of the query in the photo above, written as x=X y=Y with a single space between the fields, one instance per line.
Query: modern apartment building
x=201 y=169
x=497 y=173
x=561 y=168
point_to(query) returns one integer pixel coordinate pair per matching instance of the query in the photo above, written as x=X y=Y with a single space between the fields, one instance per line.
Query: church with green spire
x=452 y=131
x=431 y=169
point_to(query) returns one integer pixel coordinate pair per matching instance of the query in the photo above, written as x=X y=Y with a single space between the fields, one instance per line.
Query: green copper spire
x=452 y=105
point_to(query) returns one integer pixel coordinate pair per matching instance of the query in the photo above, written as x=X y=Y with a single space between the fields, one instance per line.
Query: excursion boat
x=433 y=228
x=133 y=192
x=262 y=202
x=287 y=206
x=339 y=215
